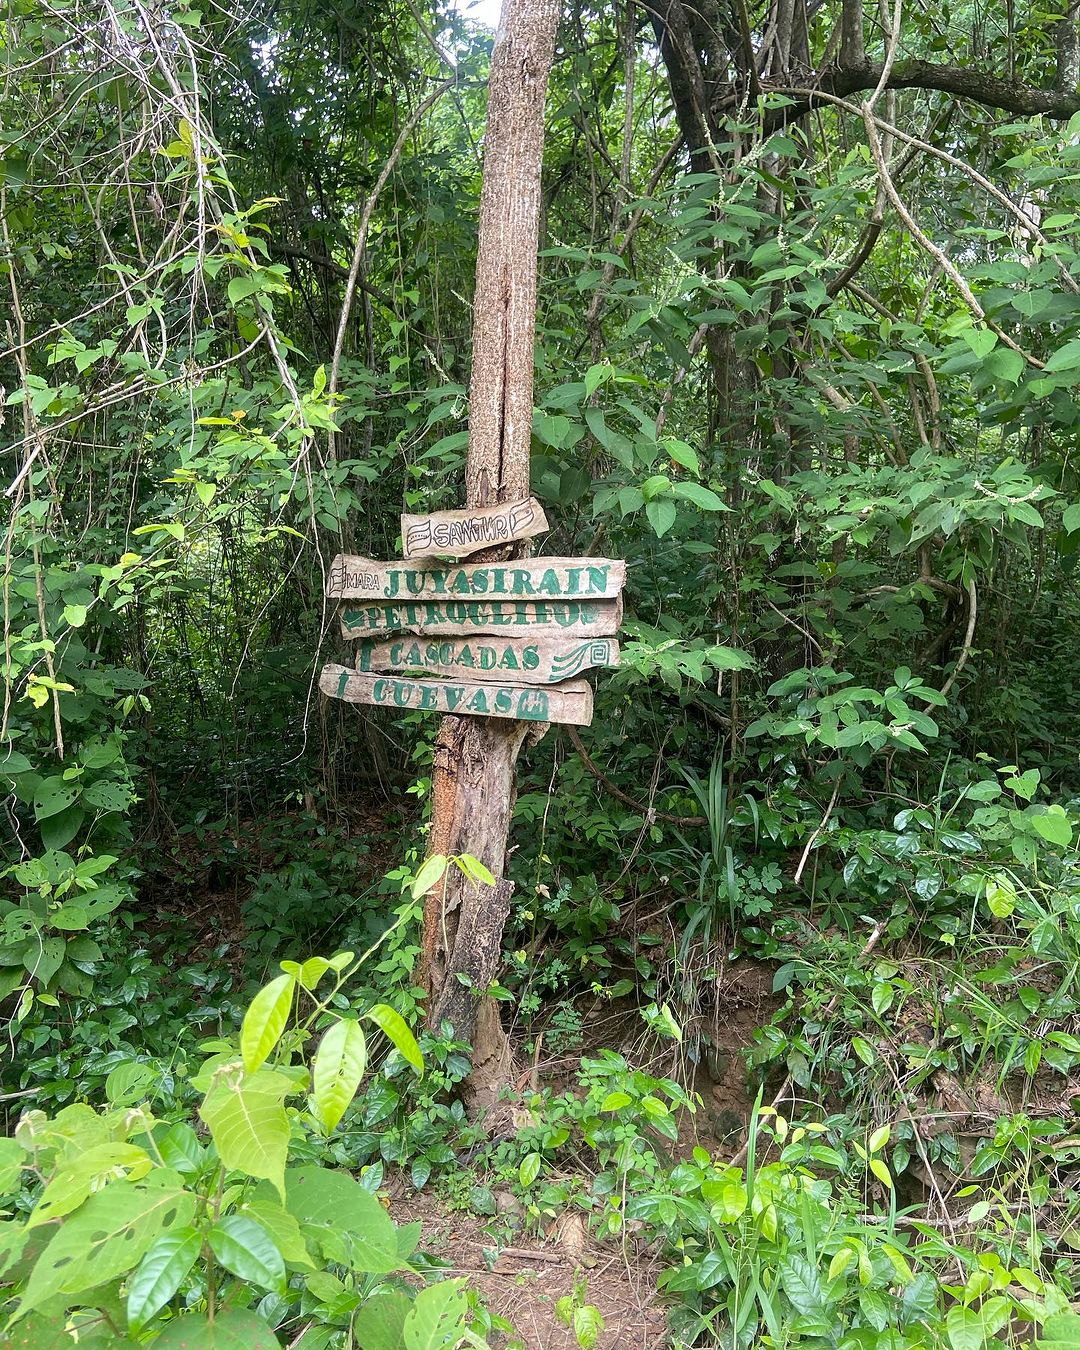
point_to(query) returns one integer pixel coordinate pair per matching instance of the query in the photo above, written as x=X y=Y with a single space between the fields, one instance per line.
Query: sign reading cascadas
x=568 y=702
x=539 y=661
x=458 y=533
x=542 y=578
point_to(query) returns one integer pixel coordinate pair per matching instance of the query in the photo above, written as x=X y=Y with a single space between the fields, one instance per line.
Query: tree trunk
x=475 y=758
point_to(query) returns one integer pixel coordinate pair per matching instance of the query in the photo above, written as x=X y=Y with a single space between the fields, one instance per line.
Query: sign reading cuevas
x=352 y=578
x=539 y=661
x=458 y=533
x=569 y=702
x=571 y=618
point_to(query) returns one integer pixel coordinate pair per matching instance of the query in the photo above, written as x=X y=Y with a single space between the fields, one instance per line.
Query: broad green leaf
x=107 y=1237
x=878 y=1139
x=588 y=1324
x=337 y=1070
x=700 y=496
x=981 y=340
x=231 y=1329
x=244 y=1248
x=44 y=959
x=880 y=1171
x=475 y=870
x=391 y=1023
x=864 y=1050
x=683 y=454
x=12 y=1161
x=266 y=1209
x=529 y=1169
x=13 y=763
x=129 y=1082
x=1053 y=825
x=54 y=795
x=1070 y=522
x=246 y=1118
x=1066 y=357
x=107 y=796
x=964 y=1329
x=378 y=1323
x=1005 y=364
x=75 y=1179
x=346 y=1220
x=312 y=971
x=430 y=874
x=265 y=1020
x=436 y=1318
x=160 y=1274
x=661 y=513
x=840 y=1263
x=802 y=1283
x=615 y=1101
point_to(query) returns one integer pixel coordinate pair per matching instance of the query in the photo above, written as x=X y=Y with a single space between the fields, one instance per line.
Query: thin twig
x=361 y=240
x=969 y=635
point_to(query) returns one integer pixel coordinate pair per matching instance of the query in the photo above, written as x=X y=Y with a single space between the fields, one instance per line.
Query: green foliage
x=141 y=1228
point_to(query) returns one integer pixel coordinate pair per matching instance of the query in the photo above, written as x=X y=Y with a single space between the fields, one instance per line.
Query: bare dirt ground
x=523 y=1282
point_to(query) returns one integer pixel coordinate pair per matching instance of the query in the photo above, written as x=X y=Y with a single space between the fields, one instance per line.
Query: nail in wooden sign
x=353 y=578
x=540 y=661
x=448 y=618
x=570 y=702
x=458 y=533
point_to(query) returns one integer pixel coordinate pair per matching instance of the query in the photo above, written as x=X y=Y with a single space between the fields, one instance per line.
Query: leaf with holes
x=436 y=1316
x=106 y=796
x=346 y=1220
x=106 y=1238
x=74 y=1180
x=54 y=795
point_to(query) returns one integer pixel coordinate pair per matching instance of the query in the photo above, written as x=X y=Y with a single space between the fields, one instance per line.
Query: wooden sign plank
x=570 y=618
x=352 y=578
x=524 y=661
x=458 y=533
x=569 y=702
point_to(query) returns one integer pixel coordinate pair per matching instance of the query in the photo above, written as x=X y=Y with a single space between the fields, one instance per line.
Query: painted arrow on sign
x=570 y=702
x=537 y=661
x=352 y=578
x=570 y=618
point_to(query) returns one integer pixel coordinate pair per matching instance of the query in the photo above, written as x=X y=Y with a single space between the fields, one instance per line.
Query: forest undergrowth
x=791 y=975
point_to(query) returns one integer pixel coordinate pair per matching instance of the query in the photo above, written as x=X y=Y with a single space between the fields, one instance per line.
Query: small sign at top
x=456 y=534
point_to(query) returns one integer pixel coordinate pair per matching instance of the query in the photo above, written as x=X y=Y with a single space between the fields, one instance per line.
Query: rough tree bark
x=475 y=758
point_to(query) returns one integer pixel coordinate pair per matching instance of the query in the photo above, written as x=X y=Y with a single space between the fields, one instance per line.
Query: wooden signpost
x=570 y=701
x=541 y=660
x=576 y=618
x=538 y=578
x=457 y=533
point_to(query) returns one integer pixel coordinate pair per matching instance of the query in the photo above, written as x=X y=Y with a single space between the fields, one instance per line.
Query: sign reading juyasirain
x=483 y=639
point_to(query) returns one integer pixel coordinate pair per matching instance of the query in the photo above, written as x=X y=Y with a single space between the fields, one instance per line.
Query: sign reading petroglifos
x=456 y=534
x=447 y=618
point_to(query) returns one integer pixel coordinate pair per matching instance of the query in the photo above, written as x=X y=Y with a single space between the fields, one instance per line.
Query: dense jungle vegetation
x=792 y=970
